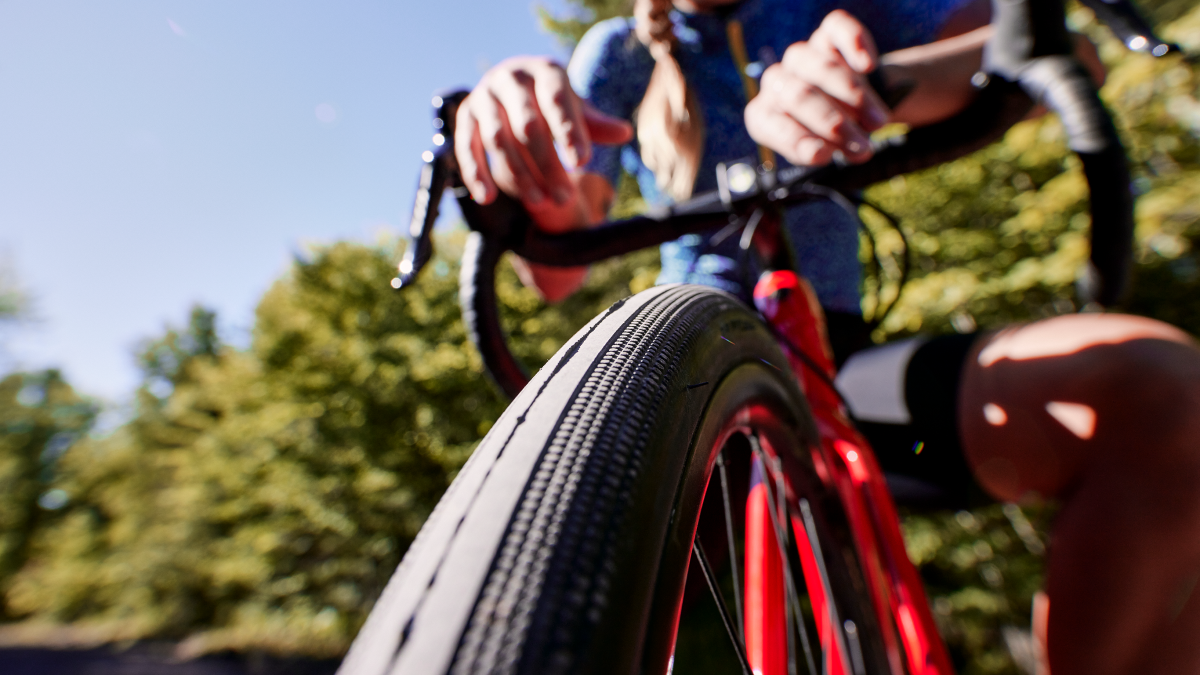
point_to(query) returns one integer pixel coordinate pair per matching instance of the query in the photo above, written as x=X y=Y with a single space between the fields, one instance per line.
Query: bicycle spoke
x=793 y=601
x=737 y=591
x=856 y=655
x=781 y=506
x=793 y=598
x=810 y=529
x=711 y=578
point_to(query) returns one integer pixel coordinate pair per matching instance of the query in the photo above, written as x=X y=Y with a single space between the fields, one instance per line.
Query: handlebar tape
x=1065 y=87
x=1031 y=46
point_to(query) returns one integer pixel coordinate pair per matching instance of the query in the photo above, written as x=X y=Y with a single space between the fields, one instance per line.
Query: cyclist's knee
x=1042 y=403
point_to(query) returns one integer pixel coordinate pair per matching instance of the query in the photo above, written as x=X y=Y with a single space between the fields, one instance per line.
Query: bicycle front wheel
x=563 y=546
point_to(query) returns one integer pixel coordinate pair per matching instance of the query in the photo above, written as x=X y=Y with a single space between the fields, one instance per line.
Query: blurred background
x=159 y=154
x=219 y=426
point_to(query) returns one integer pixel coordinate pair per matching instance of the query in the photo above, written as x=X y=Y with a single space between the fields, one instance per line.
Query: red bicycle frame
x=845 y=461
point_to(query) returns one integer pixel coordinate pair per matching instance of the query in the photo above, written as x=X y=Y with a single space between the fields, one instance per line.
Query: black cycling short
x=905 y=401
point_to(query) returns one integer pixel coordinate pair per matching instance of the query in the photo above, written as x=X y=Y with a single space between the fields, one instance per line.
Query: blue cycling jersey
x=611 y=69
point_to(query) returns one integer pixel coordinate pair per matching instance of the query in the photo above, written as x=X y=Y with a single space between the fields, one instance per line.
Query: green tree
x=260 y=499
x=40 y=418
x=14 y=304
x=13 y=301
x=583 y=16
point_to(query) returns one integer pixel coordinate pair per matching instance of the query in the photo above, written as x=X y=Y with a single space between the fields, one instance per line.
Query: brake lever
x=438 y=171
x=1123 y=20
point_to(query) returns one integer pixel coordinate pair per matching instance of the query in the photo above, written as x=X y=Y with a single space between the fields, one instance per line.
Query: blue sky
x=157 y=154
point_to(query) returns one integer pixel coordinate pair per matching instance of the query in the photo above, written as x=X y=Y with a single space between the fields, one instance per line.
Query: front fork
x=910 y=635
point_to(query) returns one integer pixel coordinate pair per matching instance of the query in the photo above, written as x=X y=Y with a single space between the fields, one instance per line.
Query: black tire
x=563 y=544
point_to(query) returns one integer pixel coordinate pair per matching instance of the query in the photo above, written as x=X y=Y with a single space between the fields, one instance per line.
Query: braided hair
x=670 y=129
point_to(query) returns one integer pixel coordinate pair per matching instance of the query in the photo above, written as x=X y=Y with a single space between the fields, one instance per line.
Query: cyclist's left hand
x=817 y=101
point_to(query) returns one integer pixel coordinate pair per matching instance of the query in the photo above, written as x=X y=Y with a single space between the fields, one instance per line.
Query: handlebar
x=1129 y=27
x=1028 y=60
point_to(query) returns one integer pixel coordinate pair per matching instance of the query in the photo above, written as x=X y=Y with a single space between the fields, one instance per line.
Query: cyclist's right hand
x=514 y=117
x=816 y=102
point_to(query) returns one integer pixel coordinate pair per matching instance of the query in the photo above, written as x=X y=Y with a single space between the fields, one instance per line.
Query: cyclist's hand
x=817 y=100
x=514 y=116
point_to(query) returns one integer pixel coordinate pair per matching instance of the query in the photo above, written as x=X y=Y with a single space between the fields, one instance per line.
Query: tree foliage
x=585 y=13
x=260 y=498
x=13 y=302
x=14 y=305
x=41 y=417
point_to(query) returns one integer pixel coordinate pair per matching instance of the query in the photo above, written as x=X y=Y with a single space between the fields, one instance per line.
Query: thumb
x=604 y=128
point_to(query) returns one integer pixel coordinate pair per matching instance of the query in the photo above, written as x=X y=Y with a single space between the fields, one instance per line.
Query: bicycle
x=680 y=418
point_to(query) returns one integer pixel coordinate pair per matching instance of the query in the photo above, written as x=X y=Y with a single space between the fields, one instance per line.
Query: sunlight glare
x=1078 y=418
x=326 y=114
x=995 y=415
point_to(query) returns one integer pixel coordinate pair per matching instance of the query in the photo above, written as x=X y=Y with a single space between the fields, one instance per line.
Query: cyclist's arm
x=941 y=72
x=939 y=75
x=817 y=101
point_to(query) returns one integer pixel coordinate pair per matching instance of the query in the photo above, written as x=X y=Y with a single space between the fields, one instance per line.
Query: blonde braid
x=670 y=128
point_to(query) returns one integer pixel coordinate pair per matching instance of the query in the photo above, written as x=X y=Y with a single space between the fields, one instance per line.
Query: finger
x=472 y=161
x=604 y=128
x=563 y=114
x=826 y=68
x=842 y=32
x=515 y=90
x=783 y=134
x=816 y=111
x=511 y=168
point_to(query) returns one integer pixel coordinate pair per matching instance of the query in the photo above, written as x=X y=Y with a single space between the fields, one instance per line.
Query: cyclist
x=1099 y=411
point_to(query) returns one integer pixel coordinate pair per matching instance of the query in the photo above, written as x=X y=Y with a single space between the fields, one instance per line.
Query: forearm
x=939 y=74
x=592 y=198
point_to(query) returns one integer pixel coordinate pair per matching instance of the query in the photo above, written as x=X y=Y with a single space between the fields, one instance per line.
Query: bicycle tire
x=564 y=542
